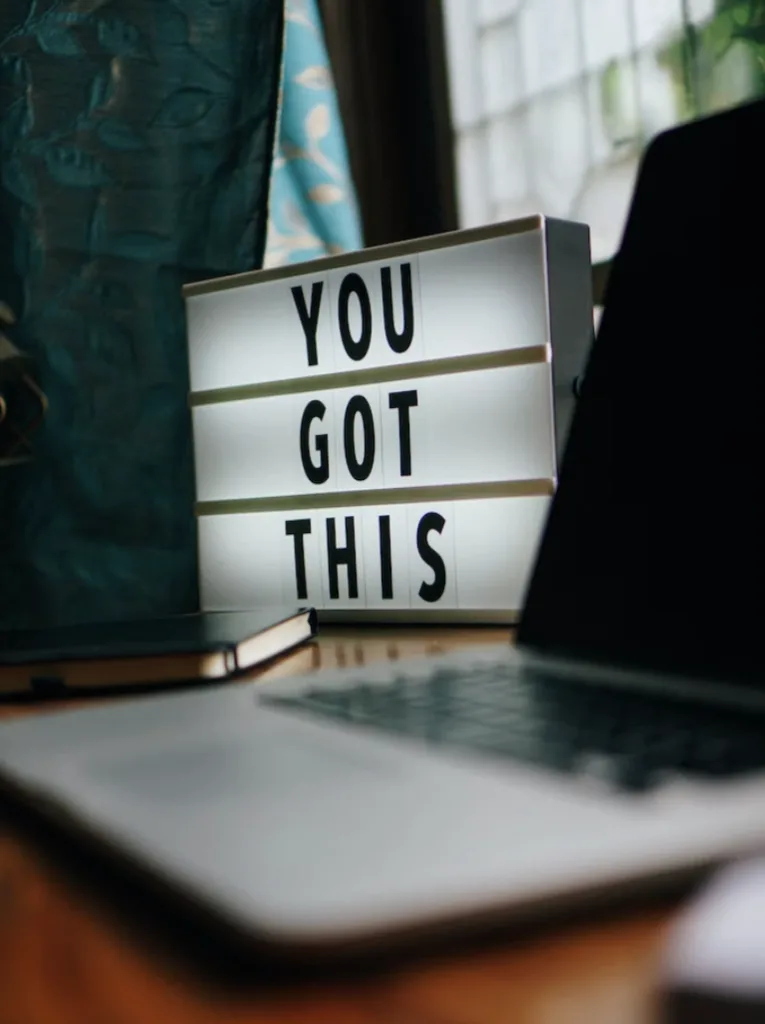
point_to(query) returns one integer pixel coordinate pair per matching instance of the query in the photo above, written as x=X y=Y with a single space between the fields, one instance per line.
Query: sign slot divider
x=379 y=375
x=378 y=496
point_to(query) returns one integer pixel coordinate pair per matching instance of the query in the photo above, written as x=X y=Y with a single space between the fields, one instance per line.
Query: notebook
x=203 y=647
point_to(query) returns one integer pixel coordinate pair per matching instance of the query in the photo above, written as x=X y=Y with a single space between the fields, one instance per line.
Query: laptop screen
x=653 y=553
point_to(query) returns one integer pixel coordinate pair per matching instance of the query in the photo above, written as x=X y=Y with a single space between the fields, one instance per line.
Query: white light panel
x=480 y=426
x=254 y=334
x=474 y=555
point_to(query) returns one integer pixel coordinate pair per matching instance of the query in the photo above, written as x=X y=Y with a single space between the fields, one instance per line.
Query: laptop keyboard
x=629 y=740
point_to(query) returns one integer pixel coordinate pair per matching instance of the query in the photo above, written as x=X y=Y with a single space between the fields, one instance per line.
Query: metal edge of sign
x=568 y=292
x=528 y=356
x=539 y=488
x=549 y=333
x=411 y=247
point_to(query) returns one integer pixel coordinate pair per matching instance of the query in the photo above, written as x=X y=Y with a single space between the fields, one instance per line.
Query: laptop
x=618 y=745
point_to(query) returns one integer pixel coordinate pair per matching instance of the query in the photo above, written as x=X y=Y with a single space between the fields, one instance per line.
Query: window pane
x=658 y=97
x=491 y=11
x=559 y=151
x=612 y=110
x=500 y=58
x=656 y=20
x=700 y=11
x=605 y=31
x=508 y=175
x=549 y=42
x=472 y=179
x=464 y=63
x=603 y=205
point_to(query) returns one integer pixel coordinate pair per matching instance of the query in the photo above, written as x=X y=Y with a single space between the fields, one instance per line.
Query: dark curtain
x=135 y=150
x=388 y=58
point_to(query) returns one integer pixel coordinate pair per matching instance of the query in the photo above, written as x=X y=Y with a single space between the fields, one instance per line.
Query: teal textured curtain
x=313 y=209
x=136 y=141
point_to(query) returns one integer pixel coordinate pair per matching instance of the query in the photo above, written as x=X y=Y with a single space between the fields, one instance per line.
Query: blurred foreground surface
x=72 y=951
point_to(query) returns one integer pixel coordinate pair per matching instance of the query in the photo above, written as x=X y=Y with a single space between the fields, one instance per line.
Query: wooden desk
x=68 y=957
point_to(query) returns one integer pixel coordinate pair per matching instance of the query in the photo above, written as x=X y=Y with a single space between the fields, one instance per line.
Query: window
x=553 y=101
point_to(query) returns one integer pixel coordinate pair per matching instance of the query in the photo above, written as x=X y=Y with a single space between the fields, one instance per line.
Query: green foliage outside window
x=720 y=63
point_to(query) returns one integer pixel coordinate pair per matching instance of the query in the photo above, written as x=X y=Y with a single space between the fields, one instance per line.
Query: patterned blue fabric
x=136 y=141
x=313 y=209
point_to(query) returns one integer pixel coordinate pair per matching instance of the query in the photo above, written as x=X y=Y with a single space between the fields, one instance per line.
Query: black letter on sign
x=404 y=401
x=431 y=591
x=342 y=556
x=316 y=474
x=386 y=567
x=359 y=470
x=398 y=341
x=298 y=528
x=356 y=348
x=309 y=318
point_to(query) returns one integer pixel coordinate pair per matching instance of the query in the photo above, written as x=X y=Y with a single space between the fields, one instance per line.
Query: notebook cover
x=202 y=633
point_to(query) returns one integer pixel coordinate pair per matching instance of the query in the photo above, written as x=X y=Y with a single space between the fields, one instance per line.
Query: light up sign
x=377 y=434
